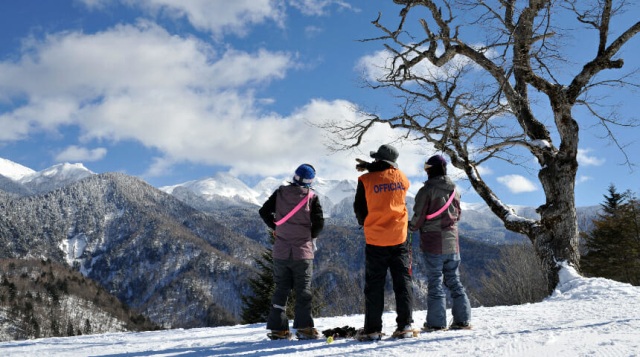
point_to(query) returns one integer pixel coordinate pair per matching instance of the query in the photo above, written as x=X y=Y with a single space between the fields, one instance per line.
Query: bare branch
x=604 y=58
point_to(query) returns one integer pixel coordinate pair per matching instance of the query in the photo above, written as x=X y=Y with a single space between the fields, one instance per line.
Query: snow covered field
x=584 y=317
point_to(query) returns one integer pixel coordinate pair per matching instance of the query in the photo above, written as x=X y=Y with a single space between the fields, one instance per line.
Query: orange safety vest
x=387 y=217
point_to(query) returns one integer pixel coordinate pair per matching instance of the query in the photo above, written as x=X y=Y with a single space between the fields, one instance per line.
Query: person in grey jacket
x=295 y=215
x=440 y=200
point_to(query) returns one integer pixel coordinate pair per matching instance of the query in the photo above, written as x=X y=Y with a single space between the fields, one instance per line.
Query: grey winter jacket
x=440 y=234
x=293 y=237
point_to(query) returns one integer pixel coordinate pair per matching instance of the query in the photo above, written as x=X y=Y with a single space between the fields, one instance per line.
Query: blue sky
x=176 y=90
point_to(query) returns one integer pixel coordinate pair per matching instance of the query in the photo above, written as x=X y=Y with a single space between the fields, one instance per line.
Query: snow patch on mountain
x=224 y=185
x=220 y=185
x=23 y=181
x=13 y=170
x=55 y=176
x=265 y=188
x=335 y=190
x=473 y=206
x=74 y=248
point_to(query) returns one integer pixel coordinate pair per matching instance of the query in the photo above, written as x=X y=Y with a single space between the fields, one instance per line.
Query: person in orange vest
x=380 y=207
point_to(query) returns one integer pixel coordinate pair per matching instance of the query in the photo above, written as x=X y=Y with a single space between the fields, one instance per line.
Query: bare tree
x=514 y=279
x=487 y=80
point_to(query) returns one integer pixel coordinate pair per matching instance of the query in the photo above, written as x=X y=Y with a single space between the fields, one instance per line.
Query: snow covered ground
x=584 y=317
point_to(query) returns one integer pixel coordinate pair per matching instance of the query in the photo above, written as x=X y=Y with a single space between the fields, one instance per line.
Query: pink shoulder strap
x=295 y=209
x=446 y=205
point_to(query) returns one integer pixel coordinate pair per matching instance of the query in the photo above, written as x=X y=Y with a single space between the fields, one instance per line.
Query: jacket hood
x=441 y=182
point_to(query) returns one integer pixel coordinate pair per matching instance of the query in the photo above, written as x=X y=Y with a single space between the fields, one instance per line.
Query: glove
x=361 y=165
x=315 y=247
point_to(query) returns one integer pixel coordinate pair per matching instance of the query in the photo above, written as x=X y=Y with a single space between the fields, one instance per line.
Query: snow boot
x=308 y=333
x=279 y=335
x=406 y=332
x=427 y=328
x=460 y=326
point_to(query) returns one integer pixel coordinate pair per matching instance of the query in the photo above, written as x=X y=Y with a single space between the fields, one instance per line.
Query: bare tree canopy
x=489 y=80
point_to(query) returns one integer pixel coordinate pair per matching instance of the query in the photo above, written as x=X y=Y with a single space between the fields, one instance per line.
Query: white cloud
x=138 y=82
x=294 y=139
x=216 y=17
x=180 y=97
x=317 y=7
x=517 y=183
x=312 y=31
x=75 y=153
x=583 y=179
x=228 y=17
x=159 y=167
x=95 y=4
x=484 y=170
x=12 y=129
x=377 y=65
x=374 y=66
x=584 y=159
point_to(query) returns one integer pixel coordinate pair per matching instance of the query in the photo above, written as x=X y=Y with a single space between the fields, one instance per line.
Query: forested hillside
x=40 y=298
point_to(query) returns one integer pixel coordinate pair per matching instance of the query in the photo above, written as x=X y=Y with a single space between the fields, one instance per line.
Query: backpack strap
x=446 y=205
x=295 y=209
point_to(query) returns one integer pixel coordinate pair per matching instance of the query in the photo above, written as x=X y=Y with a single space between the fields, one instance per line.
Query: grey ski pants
x=291 y=275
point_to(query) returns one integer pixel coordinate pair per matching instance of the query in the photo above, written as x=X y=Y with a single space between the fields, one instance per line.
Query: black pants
x=291 y=275
x=377 y=261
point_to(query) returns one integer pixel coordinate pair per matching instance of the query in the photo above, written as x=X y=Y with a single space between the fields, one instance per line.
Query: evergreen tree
x=613 y=201
x=613 y=246
x=70 y=330
x=256 y=306
x=87 y=327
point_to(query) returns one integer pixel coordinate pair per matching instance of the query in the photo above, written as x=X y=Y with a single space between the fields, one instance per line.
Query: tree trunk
x=555 y=239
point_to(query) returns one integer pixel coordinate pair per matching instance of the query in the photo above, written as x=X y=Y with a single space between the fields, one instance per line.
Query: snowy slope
x=220 y=185
x=584 y=317
x=227 y=186
x=223 y=187
x=265 y=188
x=335 y=190
x=23 y=180
x=55 y=176
x=13 y=170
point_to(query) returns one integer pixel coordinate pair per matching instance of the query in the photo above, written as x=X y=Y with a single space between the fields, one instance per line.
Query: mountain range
x=224 y=190
x=182 y=255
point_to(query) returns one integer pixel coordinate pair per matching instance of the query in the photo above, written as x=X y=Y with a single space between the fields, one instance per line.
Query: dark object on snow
x=345 y=331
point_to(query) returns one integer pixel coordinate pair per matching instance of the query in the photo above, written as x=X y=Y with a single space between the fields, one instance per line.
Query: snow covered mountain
x=212 y=193
x=220 y=186
x=264 y=188
x=10 y=174
x=166 y=260
x=336 y=196
x=222 y=191
x=20 y=180
x=56 y=176
x=13 y=170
